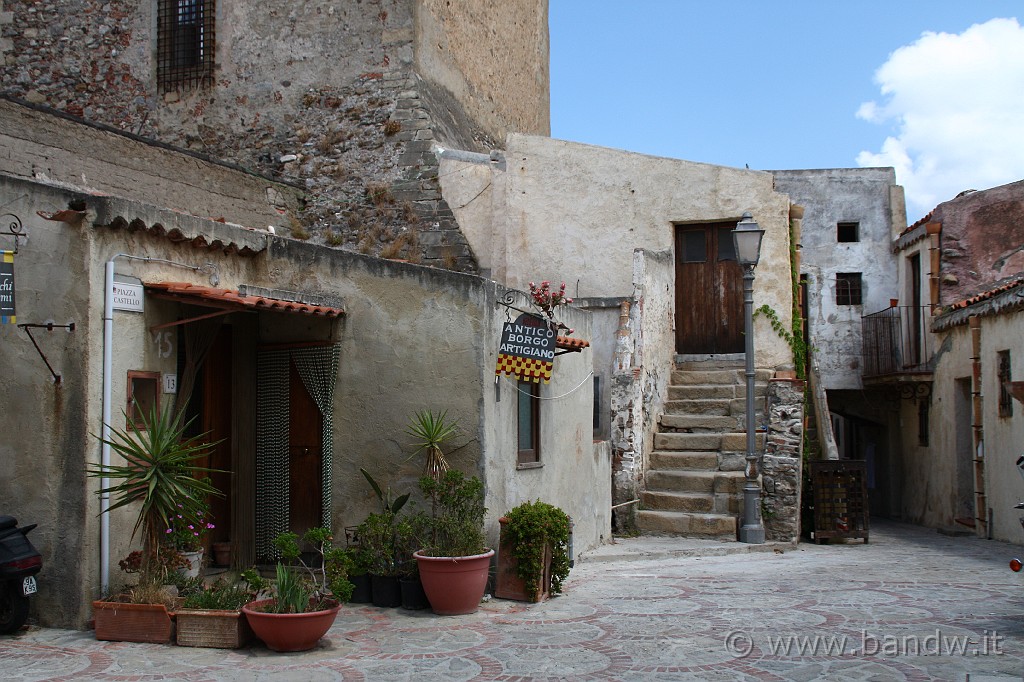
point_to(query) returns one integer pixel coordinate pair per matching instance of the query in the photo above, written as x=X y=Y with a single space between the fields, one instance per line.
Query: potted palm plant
x=304 y=599
x=161 y=477
x=454 y=563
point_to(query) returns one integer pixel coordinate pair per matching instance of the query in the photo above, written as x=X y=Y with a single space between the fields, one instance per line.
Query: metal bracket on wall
x=49 y=326
x=916 y=390
x=13 y=229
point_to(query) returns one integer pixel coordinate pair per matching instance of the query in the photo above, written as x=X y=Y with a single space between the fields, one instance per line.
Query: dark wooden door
x=216 y=412
x=305 y=453
x=709 y=290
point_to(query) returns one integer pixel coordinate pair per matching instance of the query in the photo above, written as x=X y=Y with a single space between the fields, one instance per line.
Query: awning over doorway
x=230 y=300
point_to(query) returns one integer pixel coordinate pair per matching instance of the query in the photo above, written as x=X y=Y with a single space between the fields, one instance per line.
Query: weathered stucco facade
x=410 y=338
x=960 y=435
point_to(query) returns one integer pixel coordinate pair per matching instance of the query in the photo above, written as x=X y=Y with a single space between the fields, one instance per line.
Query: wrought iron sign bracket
x=14 y=228
x=49 y=326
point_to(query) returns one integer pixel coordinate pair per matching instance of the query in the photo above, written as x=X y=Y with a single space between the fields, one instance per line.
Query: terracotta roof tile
x=984 y=295
x=570 y=343
x=229 y=299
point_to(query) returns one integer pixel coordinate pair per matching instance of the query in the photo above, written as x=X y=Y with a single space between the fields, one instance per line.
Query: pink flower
x=170 y=530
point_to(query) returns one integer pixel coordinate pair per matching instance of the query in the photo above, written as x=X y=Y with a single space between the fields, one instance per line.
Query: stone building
x=343 y=99
x=953 y=355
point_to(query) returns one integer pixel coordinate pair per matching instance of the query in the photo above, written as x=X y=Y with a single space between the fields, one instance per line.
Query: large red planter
x=289 y=631
x=454 y=585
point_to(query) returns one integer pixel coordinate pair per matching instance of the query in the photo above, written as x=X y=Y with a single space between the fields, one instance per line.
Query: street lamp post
x=747 y=241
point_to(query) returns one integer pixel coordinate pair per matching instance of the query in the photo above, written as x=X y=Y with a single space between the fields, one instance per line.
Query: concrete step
x=702 y=503
x=699 y=423
x=704 y=461
x=668 y=480
x=687 y=523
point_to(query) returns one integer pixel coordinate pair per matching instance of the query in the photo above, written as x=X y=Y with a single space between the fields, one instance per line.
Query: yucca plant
x=431 y=432
x=160 y=475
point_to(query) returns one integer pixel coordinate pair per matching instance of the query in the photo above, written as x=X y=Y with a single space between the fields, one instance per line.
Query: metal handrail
x=896 y=341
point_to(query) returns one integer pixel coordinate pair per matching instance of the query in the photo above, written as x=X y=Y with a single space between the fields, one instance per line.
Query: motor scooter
x=19 y=564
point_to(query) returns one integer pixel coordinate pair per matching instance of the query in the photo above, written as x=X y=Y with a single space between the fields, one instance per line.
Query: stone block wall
x=782 y=464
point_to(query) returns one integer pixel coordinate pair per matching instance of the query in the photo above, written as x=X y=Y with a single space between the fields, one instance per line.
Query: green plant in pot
x=378 y=539
x=211 y=616
x=304 y=598
x=534 y=552
x=453 y=563
x=160 y=477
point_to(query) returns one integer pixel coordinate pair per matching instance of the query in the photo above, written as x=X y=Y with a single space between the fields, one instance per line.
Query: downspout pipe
x=108 y=363
x=108 y=373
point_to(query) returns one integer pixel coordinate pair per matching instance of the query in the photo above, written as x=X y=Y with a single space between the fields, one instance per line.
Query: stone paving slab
x=911 y=605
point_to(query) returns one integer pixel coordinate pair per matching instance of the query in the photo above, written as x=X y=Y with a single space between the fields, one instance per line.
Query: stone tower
x=347 y=98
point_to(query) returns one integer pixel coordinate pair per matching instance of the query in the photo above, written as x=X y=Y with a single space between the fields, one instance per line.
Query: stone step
x=685 y=523
x=716 y=407
x=725 y=442
x=702 y=503
x=701 y=391
x=695 y=481
x=700 y=423
x=738 y=376
x=705 y=461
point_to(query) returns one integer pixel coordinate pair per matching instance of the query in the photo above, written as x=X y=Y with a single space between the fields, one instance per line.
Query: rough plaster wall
x=982 y=240
x=580 y=211
x=50 y=148
x=43 y=481
x=576 y=471
x=1003 y=435
x=492 y=55
x=930 y=495
x=831 y=196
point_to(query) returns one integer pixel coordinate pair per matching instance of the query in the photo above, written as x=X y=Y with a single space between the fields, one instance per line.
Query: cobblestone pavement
x=911 y=605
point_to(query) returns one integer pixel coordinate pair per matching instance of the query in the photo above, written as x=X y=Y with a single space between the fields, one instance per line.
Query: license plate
x=28 y=585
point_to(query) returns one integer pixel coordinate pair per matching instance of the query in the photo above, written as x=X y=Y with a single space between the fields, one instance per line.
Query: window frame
x=135 y=411
x=179 y=67
x=848 y=293
x=847 y=226
x=528 y=458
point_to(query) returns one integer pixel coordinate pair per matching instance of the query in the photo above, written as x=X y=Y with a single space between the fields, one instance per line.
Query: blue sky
x=780 y=84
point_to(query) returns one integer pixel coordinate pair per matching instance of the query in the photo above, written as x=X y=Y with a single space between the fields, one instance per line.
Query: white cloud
x=957 y=105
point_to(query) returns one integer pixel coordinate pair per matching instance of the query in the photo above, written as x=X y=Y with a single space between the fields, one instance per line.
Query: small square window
x=848 y=232
x=848 y=288
x=143 y=397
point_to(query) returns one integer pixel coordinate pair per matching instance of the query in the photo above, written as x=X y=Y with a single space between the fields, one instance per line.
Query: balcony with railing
x=896 y=345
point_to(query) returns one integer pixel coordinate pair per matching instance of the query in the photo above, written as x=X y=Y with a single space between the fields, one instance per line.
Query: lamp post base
x=752 y=535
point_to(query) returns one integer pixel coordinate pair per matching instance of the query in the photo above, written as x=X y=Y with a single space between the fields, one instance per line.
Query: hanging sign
x=527 y=349
x=7 y=315
x=128 y=297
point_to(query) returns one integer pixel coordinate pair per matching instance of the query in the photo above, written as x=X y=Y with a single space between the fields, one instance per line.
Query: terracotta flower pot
x=289 y=631
x=454 y=585
x=118 y=622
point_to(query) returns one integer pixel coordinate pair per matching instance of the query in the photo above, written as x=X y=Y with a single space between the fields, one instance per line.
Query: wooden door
x=216 y=421
x=305 y=455
x=709 y=290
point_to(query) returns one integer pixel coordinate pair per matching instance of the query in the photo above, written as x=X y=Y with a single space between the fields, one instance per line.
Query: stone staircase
x=694 y=483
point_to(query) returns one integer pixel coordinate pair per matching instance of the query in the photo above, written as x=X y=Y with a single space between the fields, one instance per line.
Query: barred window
x=848 y=288
x=185 y=44
x=1005 y=377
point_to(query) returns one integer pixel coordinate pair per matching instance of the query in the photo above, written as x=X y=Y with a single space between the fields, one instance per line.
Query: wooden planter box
x=508 y=584
x=118 y=622
x=215 y=629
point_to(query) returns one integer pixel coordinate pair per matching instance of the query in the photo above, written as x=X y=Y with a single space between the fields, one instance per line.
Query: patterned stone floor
x=911 y=605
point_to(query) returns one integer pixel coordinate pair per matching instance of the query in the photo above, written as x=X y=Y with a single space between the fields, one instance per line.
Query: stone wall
x=322 y=94
x=782 y=464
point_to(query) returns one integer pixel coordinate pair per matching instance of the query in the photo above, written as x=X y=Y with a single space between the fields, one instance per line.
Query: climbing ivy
x=793 y=337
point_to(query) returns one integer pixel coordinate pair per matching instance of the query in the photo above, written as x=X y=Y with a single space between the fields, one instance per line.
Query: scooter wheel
x=13 y=608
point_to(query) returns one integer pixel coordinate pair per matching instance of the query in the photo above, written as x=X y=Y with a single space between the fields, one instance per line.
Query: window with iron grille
x=1005 y=377
x=922 y=423
x=185 y=44
x=848 y=288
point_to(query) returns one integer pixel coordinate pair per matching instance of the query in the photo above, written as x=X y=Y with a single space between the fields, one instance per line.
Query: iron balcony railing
x=896 y=341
